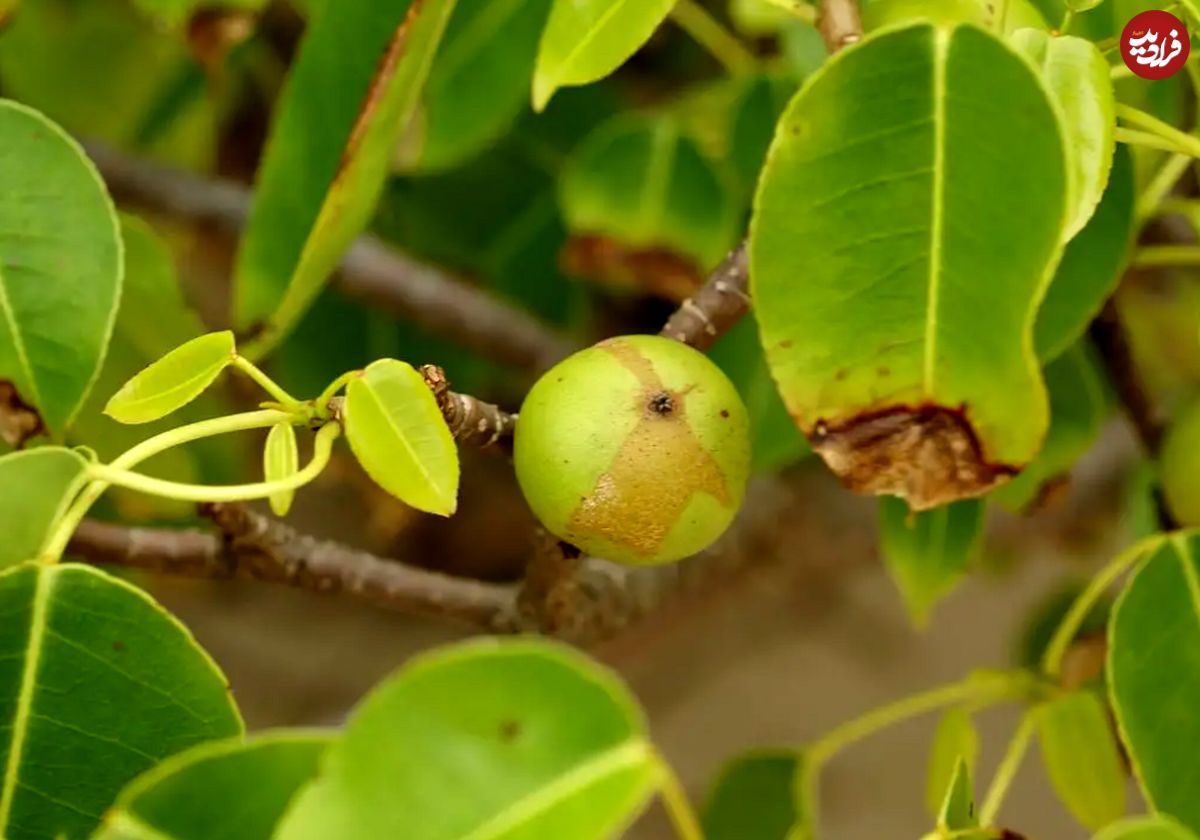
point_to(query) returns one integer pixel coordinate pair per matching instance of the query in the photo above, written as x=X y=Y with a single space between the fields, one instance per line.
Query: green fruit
x=1179 y=466
x=636 y=450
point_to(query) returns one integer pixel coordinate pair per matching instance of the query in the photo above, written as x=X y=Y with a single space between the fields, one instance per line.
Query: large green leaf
x=1154 y=677
x=60 y=266
x=97 y=685
x=352 y=91
x=517 y=740
x=756 y=798
x=1078 y=407
x=39 y=484
x=585 y=40
x=954 y=740
x=227 y=790
x=905 y=227
x=399 y=436
x=1146 y=828
x=927 y=552
x=641 y=181
x=173 y=381
x=1081 y=758
x=478 y=84
x=1091 y=265
x=1077 y=77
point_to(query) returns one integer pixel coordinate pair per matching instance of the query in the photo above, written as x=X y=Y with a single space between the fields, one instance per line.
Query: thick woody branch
x=839 y=23
x=261 y=548
x=370 y=271
x=721 y=302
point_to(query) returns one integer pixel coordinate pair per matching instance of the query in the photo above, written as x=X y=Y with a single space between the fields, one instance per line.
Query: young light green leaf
x=351 y=93
x=1146 y=828
x=1077 y=77
x=927 y=552
x=1091 y=265
x=60 y=266
x=1154 y=677
x=756 y=798
x=399 y=436
x=281 y=459
x=955 y=739
x=174 y=380
x=640 y=181
x=150 y=692
x=41 y=482
x=774 y=439
x=585 y=40
x=478 y=84
x=1078 y=407
x=958 y=806
x=870 y=275
x=224 y=790
x=486 y=740
x=1081 y=758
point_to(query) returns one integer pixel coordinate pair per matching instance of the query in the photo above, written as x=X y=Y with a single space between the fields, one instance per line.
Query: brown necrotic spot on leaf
x=927 y=455
x=655 y=472
x=19 y=421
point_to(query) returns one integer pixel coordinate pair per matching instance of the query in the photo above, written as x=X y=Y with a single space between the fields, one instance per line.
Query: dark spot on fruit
x=841 y=374
x=509 y=730
x=725 y=413
x=662 y=403
x=786 y=344
x=883 y=371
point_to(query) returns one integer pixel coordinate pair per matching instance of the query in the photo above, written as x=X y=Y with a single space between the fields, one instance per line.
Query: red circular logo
x=1155 y=44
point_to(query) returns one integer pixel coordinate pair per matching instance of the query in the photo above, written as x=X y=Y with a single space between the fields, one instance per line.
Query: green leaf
x=927 y=552
x=281 y=459
x=399 y=436
x=752 y=125
x=174 y=380
x=642 y=182
x=755 y=798
x=774 y=439
x=478 y=84
x=958 y=805
x=870 y=270
x=955 y=739
x=227 y=790
x=1077 y=76
x=351 y=92
x=1146 y=828
x=1082 y=758
x=489 y=739
x=1091 y=265
x=60 y=266
x=41 y=483
x=877 y=14
x=177 y=12
x=97 y=685
x=1079 y=405
x=1154 y=677
x=585 y=40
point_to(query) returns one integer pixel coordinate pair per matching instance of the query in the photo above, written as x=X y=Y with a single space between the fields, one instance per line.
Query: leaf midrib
x=206 y=375
x=18 y=340
x=626 y=755
x=940 y=42
x=20 y=724
x=402 y=436
x=586 y=41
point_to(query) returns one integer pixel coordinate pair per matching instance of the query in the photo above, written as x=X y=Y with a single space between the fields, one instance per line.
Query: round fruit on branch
x=636 y=450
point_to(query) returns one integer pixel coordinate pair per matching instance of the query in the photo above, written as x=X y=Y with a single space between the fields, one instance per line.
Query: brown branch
x=261 y=548
x=472 y=421
x=839 y=23
x=370 y=271
x=718 y=305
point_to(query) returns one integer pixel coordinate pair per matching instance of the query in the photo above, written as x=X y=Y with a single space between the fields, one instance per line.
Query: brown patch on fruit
x=928 y=455
x=19 y=421
x=661 y=460
x=658 y=271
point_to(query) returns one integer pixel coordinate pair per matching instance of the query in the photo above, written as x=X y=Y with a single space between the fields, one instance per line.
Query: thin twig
x=259 y=547
x=839 y=23
x=718 y=305
x=472 y=421
x=370 y=271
